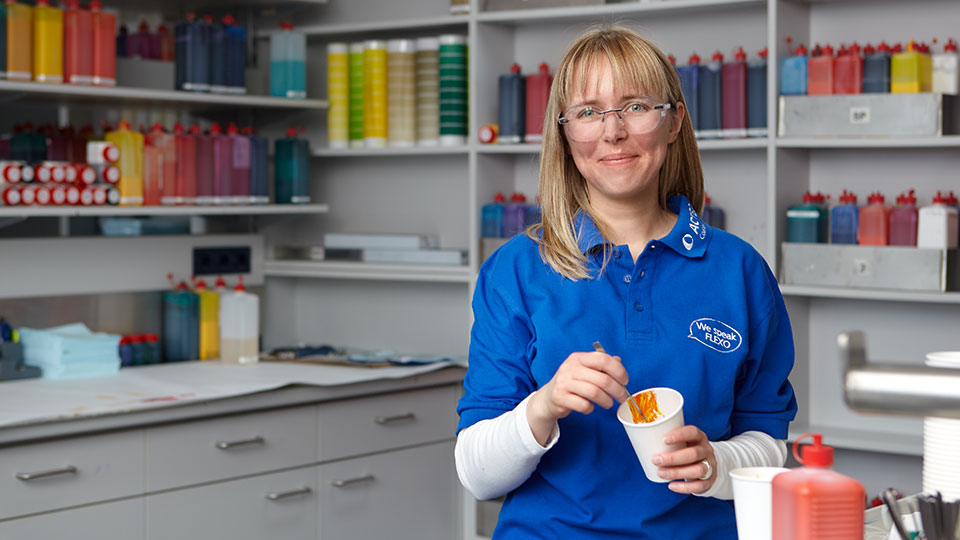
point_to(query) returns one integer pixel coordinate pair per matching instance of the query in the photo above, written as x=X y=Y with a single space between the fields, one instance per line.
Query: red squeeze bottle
x=848 y=71
x=77 y=44
x=814 y=502
x=204 y=165
x=820 y=72
x=874 y=226
x=733 y=77
x=185 y=177
x=538 y=92
x=104 y=26
x=903 y=221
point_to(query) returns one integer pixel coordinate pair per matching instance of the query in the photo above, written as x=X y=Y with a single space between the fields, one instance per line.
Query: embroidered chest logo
x=717 y=335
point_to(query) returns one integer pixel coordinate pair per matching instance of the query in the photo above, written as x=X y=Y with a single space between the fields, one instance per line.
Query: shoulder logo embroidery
x=688 y=242
x=698 y=227
x=715 y=334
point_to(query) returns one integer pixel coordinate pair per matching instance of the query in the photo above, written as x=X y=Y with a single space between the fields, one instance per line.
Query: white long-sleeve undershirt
x=495 y=456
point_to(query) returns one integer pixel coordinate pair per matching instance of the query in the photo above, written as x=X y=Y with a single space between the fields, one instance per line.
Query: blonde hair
x=635 y=62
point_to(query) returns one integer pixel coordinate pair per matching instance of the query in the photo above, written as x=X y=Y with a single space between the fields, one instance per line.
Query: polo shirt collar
x=689 y=236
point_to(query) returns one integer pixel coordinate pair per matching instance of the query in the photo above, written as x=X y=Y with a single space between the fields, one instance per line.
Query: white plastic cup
x=753 y=501
x=647 y=439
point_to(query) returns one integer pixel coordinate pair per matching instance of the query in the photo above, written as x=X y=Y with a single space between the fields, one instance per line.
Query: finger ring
x=709 y=473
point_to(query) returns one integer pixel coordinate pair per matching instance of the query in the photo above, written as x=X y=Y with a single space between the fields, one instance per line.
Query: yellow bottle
x=130 y=164
x=19 y=42
x=209 y=322
x=911 y=71
x=375 y=94
x=47 y=43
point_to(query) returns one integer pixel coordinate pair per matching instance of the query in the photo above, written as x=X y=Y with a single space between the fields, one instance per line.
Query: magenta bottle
x=903 y=221
x=204 y=148
x=734 y=91
x=240 y=175
x=222 y=166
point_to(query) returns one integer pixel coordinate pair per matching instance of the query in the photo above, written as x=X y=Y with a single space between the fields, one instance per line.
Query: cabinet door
x=122 y=519
x=402 y=495
x=280 y=506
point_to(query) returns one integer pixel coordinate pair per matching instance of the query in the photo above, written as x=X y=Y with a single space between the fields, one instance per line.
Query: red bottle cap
x=286 y=25
x=208 y=18
x=763 y=53
x=43 y=3
x=162 y=29
x=151 y=338
x=807 y=197
x=827 y=50
x=672 y=59
x=706 y=199
x=499 y=197
x=910 y=197
x=869 y=49
x=195 y=129
x=740 y=55
x=96 y=6
x=883 y=47
x=125 y=340
x=813 y=455
x=73 y=4
x=515 y=68
x=800 y=51
x=876 y=197
x=694 y=59
x=843 y=50
x=232 y=129
x=157 y=127
x=855 y=49
x=182 y=286
x=718 y=56
x=122 y=125
x=848 y=197
x=191 y=16
x=818 y=198
x=248 y=130
x=239 y=286
x=951 y=46
x=200 y=285
x=518 y=197
x=939 y=198
x=952 y=199
x=220 y=284
x=178 y=128
x=229 y=20
x=292 y=132
x=897 y=48
x=817 y=50
x=215 y=129
x=143 y=28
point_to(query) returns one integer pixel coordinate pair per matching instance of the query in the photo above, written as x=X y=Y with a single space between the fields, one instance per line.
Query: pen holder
x=11 y=363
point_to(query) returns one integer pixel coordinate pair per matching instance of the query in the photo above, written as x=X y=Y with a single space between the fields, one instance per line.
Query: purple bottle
x=240 y=166
x=204 y=145
x=222 y=166
x=903 y=221
x=514 y=215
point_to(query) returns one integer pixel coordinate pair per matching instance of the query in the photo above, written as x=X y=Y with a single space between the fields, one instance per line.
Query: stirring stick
x=599 y=348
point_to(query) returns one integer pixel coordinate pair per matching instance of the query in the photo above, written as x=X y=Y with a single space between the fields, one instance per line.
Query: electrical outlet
x=221 y=260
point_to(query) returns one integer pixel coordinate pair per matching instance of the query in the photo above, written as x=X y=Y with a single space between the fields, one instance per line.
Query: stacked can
x=356 y=95
x=428 y=91
x=402 y=92
x=375 y=94
x=452 y=63
x=338 y=94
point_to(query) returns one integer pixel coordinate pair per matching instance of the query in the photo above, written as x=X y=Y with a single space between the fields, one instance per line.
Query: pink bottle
x=734 y=92
x=77 y=44
x=166 y=42
x=167 y=146
x=874 y=226
x=104 y=45
x=222 y=166
x=820 y=71
x=903 y=221
x=185 y=183
x=241 y=166
x=204 y=161
x=152 y=175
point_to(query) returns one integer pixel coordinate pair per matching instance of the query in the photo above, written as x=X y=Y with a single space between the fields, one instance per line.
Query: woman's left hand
x=686 y=464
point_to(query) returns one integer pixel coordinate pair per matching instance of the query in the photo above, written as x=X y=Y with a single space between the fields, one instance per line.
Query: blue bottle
x=217 y=49
x=514 y=215
x=711 y=98
x=126 y=352
x=236 y=57
x=690 y=84
x=122 y=41
x=512 y=103
x=844 y=219
x=757 y=96
x=259 y=164
x=292 y=169
x=876 y=69
x=181 y=325
x=491 y=224
x=807 y=222
x=532 y=214
x=193 y=54
x=793 y=73
x=713 y=215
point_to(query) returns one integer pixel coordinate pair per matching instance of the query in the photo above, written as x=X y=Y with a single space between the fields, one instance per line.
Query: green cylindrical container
x=453 y=90
x=808 y=222
x=292 y=169
x=356 y=95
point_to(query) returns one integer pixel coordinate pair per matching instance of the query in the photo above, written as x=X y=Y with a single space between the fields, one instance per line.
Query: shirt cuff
x=526 y=432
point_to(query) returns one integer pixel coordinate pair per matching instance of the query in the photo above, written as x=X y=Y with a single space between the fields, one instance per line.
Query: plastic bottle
x=876 y=69
x=712 y=215
x=690 y=84
x=401 y=93
x=152 y=345
x=192 y=55
x=757 y=95
x=734 y=92
x=104 y=55
x=452 y=77
x=259 y=164
x=209 y=316
x=152 y=175
x=514 y=215
x=47 y=43
x=538 y=92
x=491 y=225
x=288 y=56
x=205 y=168
x=511 y=106
x=181 y=325
x=222 y=166
x=711 y=98
x=843 y=220
x=236 y=56
x=820 y=75
x=166 y=44
x=292 y=169
x=218 y=55
x=77 y=44
x=848 y=71
x=185 y=175
x=138 y=44
x=874 y=225
x=130 y=144
x=911 y=71
x=125 y=351
x=937 y=224
x=166 y=146
x=356 y=94
x=239 y=326
x=19 y=41
x=793 y=72
x=338 y=95
x=532 y=213
x=903 y=221
x=814 y=502
x=807 y=222
x=240 y=166
x=946 y=70
x=375 y=93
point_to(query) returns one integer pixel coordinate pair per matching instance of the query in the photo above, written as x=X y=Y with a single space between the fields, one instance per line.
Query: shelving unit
x=364 y=271
x=120 y=211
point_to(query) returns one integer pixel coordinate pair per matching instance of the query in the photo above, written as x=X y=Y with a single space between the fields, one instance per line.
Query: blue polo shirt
x=699 y=312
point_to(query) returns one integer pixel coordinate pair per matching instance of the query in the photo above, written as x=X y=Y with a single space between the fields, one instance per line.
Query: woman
x=621 y=258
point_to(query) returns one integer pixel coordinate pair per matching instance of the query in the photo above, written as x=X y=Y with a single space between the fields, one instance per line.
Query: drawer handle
x=274 y=496
x=236 y=444
x=353 y=481
x=26 y=476
x=382 y=420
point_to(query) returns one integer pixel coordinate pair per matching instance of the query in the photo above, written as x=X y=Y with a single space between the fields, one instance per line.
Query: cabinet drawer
x=123 y=519
x=58 y=474
x=407 y=494
x=221 y=448
x=279 y=506
x=372 y=424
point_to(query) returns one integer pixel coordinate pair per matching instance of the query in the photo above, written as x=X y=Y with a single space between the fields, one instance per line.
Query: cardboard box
x=870 y=267
x=869 y=115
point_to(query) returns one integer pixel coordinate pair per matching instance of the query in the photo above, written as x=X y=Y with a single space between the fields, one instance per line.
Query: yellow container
x=209 y=323
x=375 y=94
x=19 y=42
x=130 y=144
x=911 y=71
x=47 y=43
x=338 y=96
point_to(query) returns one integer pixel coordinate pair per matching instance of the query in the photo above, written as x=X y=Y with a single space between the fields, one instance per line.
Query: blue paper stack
x=71 y=351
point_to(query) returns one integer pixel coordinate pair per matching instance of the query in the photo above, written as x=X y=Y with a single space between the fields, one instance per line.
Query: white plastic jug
x=239 y=326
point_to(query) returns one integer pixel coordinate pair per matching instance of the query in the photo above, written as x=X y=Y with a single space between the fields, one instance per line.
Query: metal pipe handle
x=275 y=496
x=391 y=419
x=227 y=445
x=352 y=481
x=27 y=476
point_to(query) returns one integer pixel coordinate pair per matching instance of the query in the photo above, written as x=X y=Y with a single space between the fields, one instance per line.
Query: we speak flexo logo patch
x=715 y=334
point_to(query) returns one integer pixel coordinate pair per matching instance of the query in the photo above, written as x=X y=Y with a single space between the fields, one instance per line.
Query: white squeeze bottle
x=239 y=326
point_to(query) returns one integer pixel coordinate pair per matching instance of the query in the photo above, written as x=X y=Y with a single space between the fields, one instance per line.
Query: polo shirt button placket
x=638 y=306
x=626 y=278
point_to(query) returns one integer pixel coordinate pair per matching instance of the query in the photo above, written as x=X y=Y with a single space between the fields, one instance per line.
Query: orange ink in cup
x=644 y=408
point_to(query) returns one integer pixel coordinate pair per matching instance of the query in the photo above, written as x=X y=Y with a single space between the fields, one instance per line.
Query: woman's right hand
x=583 y=380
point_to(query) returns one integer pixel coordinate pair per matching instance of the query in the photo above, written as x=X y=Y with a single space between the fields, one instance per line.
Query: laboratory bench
x=203 y=450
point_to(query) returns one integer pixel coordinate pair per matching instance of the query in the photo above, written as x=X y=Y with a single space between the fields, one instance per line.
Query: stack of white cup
x=941 y=441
